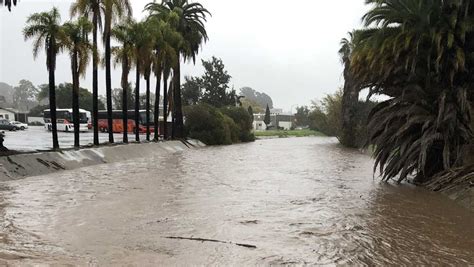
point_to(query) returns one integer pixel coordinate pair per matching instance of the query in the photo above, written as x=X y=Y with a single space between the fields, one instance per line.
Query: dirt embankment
x=32 y=164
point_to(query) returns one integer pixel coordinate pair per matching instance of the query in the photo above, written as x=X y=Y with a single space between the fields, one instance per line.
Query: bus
x=64 y=120
x=118 y=127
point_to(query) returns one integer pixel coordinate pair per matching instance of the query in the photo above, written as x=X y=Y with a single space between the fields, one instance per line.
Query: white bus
x=65 y=122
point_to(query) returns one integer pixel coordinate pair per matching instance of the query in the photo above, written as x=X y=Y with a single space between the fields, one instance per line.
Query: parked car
x=20 y=125
x=6 y=125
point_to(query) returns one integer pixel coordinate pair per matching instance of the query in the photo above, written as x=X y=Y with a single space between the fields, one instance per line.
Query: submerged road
x=281 y=201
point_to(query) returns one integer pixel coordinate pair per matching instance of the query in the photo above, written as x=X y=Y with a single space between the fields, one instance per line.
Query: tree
x=191 y=90
x=417 y=53
x=267 y=120
x=259 y=100
x=46 y=31
x=124 y=54
x=190 y=24
x=147 y=61
x=64 y=97
x=350 y=96
x=113 y=10
x=24 y=95
x=94 y=11
x=8 y=3
x=166 y=42
x=302 y=116
x=215 y=84
x=250 y=110
x=77 y=42
x=142 y=44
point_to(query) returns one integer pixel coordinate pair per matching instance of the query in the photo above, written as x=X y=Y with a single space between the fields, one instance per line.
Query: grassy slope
x=282 y=133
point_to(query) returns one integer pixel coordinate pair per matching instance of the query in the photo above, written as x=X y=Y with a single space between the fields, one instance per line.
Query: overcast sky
x=287 y=49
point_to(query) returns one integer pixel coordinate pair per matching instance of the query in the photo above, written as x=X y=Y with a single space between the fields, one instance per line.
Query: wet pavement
x=279 y=201
x=38 y=138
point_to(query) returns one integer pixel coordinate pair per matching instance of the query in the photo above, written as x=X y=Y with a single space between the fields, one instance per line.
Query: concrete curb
x=34 y=164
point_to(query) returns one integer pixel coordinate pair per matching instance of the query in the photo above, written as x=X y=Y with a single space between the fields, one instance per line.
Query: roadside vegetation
x=172 y=31
x=214 y=113
x=288 y=133
x=419 y=54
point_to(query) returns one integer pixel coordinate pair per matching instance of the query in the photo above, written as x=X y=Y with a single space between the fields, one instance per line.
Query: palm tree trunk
x=350 y=98
x=95 y=83
x=108 y=85
x=172 y=107
x=125 y=98
x=156 y=120
x=75 y=100
x=165 y=107
x=52 y=95
x=137 y=103
x=178 y=125
x=148 y=108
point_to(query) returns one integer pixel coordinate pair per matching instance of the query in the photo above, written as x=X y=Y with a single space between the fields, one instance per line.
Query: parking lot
x=38 y=138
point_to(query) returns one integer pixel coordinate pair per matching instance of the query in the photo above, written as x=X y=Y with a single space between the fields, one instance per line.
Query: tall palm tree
x=166 y=42
x=147 y=61
x=77 y=42
x=417 y=52
x=8 y=3
x=46 y=31
x=350 y=96
x=94 y=10
x=190 y=24
x=113 y=10
x=125 y=55
x=143 y=45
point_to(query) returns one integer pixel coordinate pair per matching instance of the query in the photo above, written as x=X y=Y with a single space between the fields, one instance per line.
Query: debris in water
x=211 y=240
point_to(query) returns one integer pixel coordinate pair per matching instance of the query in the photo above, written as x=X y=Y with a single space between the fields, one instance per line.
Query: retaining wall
x=33 y=164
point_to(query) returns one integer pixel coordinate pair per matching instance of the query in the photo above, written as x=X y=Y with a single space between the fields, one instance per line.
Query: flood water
x=285 y=201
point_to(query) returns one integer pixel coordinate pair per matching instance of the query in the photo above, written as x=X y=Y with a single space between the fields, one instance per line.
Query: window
x=7 y=117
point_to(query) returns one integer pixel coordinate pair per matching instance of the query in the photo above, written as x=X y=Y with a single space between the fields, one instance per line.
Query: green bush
x=243 y=120
x=207 y=124
x=218 y=127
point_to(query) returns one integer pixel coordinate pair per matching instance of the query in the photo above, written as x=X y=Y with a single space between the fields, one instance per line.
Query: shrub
x=243 y=121
x=207 y=124
x=218 y=126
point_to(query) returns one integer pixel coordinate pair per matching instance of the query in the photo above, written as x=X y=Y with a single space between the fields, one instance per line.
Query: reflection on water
x=299 y=201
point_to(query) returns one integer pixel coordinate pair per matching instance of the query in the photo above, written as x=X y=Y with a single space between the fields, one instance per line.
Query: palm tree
x=113 y=10
x=166 y=41
x=77 y=42
x=350 y=96
x=417 y=52
x=46 y=31
x=147 y=61
x=190 y=24
x=124 y=54
x=8 y=3
x=142 y=43
x=94 y=10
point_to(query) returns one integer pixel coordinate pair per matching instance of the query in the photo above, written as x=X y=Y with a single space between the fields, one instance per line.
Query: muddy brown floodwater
x=281 y=201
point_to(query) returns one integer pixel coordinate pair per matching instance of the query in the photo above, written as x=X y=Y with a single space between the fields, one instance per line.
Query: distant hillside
x=7 y=91
x=261 y=99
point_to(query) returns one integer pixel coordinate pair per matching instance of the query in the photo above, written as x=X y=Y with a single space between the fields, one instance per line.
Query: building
x=6 y=113
x=13 y=115
x=278 y=120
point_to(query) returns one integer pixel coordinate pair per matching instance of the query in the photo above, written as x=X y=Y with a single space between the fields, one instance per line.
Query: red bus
x=118 y=126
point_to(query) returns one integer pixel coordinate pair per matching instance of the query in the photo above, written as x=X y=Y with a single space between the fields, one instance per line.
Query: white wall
x=259 y=125
x=5 y=114
x=285 y=124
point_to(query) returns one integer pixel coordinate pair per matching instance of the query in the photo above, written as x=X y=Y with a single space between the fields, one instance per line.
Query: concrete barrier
x=33 y=164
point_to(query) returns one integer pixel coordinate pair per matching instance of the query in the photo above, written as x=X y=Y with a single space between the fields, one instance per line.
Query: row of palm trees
x=420 y=53
x=173 y=30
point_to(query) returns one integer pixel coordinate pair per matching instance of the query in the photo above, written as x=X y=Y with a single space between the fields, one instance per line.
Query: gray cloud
x=287 y=49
